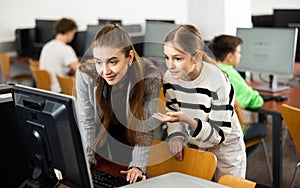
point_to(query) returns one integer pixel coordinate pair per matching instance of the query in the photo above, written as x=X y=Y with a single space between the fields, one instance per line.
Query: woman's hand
x=176 y=147
x=133 y=174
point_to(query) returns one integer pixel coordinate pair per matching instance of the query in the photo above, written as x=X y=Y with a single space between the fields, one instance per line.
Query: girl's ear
x=131 y=56
x=198 y=57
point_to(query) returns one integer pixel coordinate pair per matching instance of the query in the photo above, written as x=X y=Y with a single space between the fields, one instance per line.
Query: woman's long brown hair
x=112 y=35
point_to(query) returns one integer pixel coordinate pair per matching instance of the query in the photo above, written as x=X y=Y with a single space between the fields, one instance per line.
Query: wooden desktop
x=272 y=108
x=110 y=167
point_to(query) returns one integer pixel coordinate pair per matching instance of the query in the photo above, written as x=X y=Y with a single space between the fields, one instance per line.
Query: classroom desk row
x=272 y=108
x=173 y=179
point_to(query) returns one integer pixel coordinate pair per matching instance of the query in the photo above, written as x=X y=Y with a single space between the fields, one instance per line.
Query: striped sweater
x=209 y=99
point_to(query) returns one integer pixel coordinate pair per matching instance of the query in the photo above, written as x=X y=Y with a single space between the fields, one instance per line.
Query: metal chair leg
x=267 y=159
x=294 y=175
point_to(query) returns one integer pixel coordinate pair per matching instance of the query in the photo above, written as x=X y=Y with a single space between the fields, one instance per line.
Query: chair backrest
x=67 y=84
x=236 y=182
x=290 y=116
x=162 y=102
x=33 y=64
x=5 y=65
x=195 y=162
x=42 y=79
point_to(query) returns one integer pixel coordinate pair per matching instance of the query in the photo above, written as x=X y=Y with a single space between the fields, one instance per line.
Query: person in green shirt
x=227 y=51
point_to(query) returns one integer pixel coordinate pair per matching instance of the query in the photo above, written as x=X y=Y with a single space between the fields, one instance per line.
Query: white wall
x=22 y=13
x=207 y=16
x=219 y=16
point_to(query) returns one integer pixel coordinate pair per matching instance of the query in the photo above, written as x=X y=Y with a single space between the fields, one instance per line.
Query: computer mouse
x=280 y=98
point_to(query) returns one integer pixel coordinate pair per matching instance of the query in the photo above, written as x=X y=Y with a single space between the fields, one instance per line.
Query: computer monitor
x=268 y=50
x=16 y=170
x=155 y=34
x=161 y=20
x=265 y=20
x=107 y=21
x=44 y=30
x=288 y=18
x=78 y=43
x=284 y=17
x=91 y=31
x=25 y=39
x=52 y=140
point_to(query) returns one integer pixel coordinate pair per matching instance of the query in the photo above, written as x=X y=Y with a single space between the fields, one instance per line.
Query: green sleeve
x=245 y=95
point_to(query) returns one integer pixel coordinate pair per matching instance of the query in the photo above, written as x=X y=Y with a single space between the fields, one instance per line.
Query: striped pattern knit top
x=209 y=99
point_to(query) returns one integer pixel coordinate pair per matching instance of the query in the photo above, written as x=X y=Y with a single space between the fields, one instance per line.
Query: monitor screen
x=155 y=34
x=284 y=17
x=44 y=30
x=107 y=21
x=78 y=43
x=24 y=41
x=288 y=18
x=89 y=36
x=52 y=140
x=262 y=20
x=268 y=50
x=161 y=20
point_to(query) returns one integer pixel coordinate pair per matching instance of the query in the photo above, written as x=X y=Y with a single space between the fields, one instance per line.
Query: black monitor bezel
x=44 y=30
x=71 y=173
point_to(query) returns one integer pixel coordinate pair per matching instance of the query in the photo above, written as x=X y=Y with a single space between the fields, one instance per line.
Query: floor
x=257 y=169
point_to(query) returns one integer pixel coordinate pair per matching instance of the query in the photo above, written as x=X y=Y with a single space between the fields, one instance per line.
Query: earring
x=130 y=64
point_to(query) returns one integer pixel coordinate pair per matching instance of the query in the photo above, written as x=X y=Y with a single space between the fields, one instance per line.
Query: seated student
x=200 y=103
x=117 y=93
x=227 y=51
x=57 y=56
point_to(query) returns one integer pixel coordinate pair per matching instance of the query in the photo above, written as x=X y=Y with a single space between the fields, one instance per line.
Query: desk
x=165 y=180
x=19 y=59
x=273 y=108
x=110 y=167
x=175 y=180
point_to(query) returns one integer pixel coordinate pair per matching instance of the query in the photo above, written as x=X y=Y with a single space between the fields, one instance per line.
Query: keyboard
x=103 y=179
x=267 y=97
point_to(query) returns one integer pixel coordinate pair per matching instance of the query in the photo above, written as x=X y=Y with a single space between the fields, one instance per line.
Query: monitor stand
x=40 y=172
x=272 y=86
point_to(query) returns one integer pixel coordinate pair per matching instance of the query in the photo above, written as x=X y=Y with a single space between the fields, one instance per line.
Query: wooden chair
x=290 y=116
x=196 y=162
x=19 y=77
x=33 y=64
x=42 y=79
x=162 y=102
x=236 y=182
x=67 y=84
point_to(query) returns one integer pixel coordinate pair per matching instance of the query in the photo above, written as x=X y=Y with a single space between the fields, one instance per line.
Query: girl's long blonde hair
x=189 y=40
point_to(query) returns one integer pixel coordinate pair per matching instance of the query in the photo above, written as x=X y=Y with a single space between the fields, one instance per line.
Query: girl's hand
x=168 y=117
x=133 y=174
